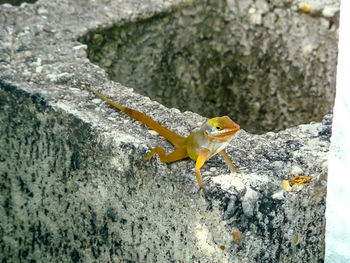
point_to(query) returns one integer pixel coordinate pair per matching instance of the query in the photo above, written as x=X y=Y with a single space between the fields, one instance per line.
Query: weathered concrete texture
x=77 y=190
x=74 y=186
x=267 y=63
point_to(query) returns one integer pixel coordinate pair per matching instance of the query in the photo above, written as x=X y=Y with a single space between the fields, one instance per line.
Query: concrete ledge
x=73 y=183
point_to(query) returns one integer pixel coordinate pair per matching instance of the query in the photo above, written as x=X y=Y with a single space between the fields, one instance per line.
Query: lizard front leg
x=202 y=157
x=228 y=161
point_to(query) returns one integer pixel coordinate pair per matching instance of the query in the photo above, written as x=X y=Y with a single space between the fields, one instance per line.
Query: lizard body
x=212 y=138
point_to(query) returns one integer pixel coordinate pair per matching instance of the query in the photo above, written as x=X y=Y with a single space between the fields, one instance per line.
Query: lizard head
x=221 y=128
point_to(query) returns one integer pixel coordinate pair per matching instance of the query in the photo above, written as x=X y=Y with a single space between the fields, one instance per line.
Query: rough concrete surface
x=73 y=183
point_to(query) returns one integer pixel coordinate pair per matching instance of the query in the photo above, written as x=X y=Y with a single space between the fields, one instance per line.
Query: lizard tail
x=171 y=136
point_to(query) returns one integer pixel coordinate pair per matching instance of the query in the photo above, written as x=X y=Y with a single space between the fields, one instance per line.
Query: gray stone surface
x=73 y=184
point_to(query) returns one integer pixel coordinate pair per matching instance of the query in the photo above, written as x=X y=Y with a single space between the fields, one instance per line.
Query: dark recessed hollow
x=208 y=59
x=17 y=2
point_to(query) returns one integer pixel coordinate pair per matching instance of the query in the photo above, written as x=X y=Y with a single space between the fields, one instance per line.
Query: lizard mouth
x=228 y=132
x=223 y=134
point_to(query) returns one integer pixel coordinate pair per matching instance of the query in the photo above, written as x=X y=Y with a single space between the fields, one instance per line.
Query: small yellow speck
x=237 y=235
x=305 y=8
x=296 y=239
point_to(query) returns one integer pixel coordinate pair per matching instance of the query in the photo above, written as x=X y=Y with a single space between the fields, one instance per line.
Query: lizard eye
x=218 y=128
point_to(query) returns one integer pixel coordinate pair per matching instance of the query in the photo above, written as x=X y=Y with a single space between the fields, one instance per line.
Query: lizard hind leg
x=177 y=154
x=157 y=150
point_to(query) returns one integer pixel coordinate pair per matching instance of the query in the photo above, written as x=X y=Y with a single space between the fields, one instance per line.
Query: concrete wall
x=74 y=186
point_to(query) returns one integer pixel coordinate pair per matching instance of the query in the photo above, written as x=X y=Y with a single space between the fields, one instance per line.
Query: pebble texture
x=73 y=184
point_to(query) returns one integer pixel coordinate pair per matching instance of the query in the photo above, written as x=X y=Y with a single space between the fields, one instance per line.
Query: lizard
x=212 y=138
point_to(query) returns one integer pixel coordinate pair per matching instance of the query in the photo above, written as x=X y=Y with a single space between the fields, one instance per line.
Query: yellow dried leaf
x=300 y=180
